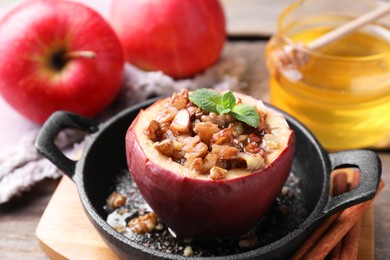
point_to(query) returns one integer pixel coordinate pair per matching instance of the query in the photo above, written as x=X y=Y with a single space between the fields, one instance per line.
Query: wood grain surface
x=65 y=232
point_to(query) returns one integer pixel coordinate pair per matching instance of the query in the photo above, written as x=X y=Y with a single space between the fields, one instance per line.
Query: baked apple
x=203 y=167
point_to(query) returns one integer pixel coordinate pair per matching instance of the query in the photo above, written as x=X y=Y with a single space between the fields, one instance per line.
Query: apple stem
x=80 y=54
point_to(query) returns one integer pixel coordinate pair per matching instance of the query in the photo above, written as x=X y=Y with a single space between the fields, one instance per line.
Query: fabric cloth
x=21 y=165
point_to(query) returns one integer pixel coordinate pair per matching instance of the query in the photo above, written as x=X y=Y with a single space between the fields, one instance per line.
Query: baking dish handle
x=45 y=142
x=370 y=174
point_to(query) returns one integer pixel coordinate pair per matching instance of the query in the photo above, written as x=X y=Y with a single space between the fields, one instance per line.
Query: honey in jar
x=342 y=91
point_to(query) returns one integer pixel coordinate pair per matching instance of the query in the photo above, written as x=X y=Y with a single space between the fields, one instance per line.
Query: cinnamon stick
x=314 y=237
x=345 y=175
x=350 y=243
x=338 y=230
x=335 y=254
x=339 y=185
x=350 y=246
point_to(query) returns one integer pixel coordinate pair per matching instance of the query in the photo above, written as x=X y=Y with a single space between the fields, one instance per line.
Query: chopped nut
x=190 y=142
x=205 y=118
x=166 y=147
x=205 y=130
x=221 y=120
x=228 y=118
x=194 y=145
x=222 y=137
x=153 y=131
x=179 y=100
x=192 y=109
x=200 y=150
x=237 y=128
x=190 y=158
x=166 y=115
x=216 y=148
x=217 y=173
x=228 y=152
x=143 y=224
x=188 y=251
x=209 y=161
x=197 y=164
x=116 y=200
x=170 y=148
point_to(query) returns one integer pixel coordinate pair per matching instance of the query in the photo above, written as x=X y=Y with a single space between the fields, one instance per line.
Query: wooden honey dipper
x=290 y=58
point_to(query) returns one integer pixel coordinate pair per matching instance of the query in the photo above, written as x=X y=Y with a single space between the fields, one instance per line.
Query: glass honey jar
x=341 y=91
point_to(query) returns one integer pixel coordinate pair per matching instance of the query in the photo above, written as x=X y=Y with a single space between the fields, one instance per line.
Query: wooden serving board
x=64 y=231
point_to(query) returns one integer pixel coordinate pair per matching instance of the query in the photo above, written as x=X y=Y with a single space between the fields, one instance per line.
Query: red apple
x=199 y=206
x=180 y=38
x=58 y=55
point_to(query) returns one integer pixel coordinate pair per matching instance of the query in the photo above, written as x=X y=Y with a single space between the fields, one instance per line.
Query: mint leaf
x=212 y=101
x=222 y=110
x=206 y=99
x=228 y=100
x=247 y=114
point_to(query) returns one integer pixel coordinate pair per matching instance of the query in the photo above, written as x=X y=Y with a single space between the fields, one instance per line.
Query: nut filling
x=209 y=143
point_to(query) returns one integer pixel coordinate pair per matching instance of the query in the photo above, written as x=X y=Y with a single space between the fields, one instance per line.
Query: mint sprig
x=206 y=99
x=212 y=101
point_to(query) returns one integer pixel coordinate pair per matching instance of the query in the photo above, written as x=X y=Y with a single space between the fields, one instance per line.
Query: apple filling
x=211 y=144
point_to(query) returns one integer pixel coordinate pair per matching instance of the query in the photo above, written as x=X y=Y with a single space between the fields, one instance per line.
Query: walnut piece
x=217 y=173
x=205 y=131
x=143 y=224
x=116 y=200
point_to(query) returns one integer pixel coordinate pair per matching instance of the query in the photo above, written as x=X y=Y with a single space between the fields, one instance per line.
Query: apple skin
x=36 y=80
x=199 y=208
x=179 y=38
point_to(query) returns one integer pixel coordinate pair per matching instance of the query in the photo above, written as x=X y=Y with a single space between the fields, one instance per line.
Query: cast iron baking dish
x=95 y=172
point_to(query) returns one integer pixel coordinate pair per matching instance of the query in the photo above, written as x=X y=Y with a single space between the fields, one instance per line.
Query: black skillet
x=95 y=173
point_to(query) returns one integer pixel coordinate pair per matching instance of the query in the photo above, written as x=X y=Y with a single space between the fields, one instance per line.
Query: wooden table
x=19 y=218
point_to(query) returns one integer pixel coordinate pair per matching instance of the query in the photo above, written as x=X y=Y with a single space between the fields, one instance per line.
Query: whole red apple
x=199 y=206
x=58 y=55
x=180 y=38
